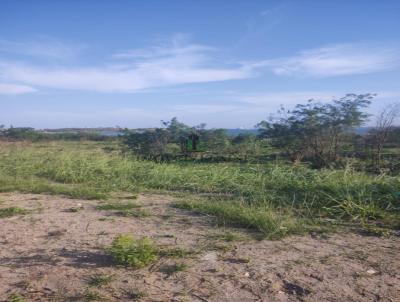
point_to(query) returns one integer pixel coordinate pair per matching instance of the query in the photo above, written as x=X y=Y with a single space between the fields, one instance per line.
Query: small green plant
x=12 y=211
x=136 y=295
x=74 y=209
x=132 y=252
x=92 y=296
x=117 y=206
x=16 y=298
x=180 y=267
x=100 y=280
x=173 y=268
x=134 y=213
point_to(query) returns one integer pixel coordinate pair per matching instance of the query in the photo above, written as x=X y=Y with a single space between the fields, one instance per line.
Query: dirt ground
x=51 y=254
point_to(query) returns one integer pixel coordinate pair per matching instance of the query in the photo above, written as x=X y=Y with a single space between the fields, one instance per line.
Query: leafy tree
x=148 y=144
x=316 y=130
x=382 y=131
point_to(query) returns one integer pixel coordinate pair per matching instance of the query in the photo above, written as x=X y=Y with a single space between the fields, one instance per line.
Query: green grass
x=92 y=296
x=135 y=253
x=12 y=211
x=275 y=199
x=263 y=219
x=16 y=298
x=99 y=280
x=138 y=213
x=115 y=206
x=125 y=209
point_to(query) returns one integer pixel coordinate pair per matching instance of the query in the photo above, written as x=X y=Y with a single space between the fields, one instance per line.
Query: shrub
x=132 y=252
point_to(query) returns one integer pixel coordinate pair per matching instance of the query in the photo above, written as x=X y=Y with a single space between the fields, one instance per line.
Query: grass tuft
x=12 y=211
x=132 y=252
x=100 y=280
x=117 y=206
x=263 y=219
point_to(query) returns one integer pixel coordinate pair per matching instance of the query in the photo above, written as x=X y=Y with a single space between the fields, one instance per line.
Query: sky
x=226 y=63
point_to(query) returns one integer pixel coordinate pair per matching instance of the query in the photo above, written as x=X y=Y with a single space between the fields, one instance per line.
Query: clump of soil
x=56 y=252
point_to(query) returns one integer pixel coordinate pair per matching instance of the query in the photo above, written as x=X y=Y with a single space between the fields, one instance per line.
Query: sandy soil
x=51 y=254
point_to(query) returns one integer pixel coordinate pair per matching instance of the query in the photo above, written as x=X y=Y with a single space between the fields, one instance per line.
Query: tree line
x=321 y=134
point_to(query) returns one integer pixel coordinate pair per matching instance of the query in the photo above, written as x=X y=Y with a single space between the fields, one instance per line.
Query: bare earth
x=51 y=253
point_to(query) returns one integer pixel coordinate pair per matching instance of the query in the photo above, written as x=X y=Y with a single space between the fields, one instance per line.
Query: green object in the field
x=192 y=143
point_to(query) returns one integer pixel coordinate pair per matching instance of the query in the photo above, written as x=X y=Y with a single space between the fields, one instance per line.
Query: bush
x=132 y=252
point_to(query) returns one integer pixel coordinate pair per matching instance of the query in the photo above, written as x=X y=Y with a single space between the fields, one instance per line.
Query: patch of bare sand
x=51 y=253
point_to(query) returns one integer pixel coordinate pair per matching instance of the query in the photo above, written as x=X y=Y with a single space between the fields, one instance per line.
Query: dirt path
x=52 y=253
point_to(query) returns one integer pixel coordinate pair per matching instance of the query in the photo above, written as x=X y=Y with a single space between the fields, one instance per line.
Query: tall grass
x=286 y=191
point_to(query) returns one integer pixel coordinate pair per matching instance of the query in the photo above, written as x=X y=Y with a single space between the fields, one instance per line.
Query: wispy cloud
x=173 y=64
x=337 y=60
x=180 y=62
x=15 y=89
x=43 y=47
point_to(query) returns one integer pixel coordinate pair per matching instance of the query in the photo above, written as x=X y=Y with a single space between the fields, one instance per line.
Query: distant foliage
x=316 y=130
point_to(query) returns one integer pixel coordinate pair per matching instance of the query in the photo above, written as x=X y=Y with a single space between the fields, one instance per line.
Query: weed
x=12 y=211
x=74 y=209
x=92 y=296
x=132 y=252
x=263 y=219
x=100 y=280
x=174 y=268
x=16 y=298
x=136 y=295
x=134 y=213
x=117 y=206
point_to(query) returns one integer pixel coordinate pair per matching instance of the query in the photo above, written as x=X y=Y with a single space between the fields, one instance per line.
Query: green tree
x=316 y=130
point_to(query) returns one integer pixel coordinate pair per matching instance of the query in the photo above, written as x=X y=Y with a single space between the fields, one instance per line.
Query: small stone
x=247 y=274
x=371 y=271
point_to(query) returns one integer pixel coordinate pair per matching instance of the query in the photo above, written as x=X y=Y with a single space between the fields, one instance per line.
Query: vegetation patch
x=134 y=213
x=116 y=206
x=12 y=211
x=99 y=280
x=132 y=252
x=271 y=224
x=16 y=298
x=90 y=295
x=226 y=236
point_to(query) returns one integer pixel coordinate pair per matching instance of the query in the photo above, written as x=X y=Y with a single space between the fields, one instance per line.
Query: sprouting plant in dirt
x=132 y=252
x=99 y=280
x=136 y=295
x=226 y=236
x=92 y=296
x=116 y=206
x=134 y=213
x=16 y=298
x=174 y=268
x=12 y=211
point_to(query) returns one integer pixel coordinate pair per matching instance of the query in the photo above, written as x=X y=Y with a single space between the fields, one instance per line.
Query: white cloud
x=177 y=63
x=43 y=47
x=14 y=89
x=337 y=60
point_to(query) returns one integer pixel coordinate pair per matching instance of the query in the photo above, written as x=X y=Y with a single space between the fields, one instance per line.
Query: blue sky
x=226 y=63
